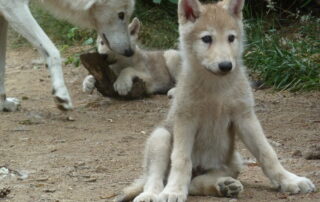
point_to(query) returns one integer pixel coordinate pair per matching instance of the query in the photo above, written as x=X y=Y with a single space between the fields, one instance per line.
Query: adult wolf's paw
x=295 y=184
x=88 y=84
x=122 y=86
x=229 y=187
x=62 y=98
x=167 y=196
x=146 y=197
x=10 y=105
x=171 y=93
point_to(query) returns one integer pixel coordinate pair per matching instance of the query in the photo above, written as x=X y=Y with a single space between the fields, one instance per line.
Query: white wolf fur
x=108 y=17
x=193 y=151
x=158 y=69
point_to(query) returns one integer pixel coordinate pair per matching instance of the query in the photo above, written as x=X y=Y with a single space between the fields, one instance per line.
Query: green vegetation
x=283 y=43
x=287 y=58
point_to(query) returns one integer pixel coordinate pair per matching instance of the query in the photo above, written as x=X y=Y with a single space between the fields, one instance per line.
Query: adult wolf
x=193 y=152
x=110 y=18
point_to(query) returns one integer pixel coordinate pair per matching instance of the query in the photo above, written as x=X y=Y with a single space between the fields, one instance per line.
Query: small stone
x=49 y=190
x=53 y=150
x=43 y=179
x=69 y=118
x=313 y=153
x=274 y=143
x=297 y=153
x=4 y=192
x=91 y=180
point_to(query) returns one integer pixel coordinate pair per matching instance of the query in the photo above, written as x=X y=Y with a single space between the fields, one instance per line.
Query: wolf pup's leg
x=250 y=131
x=157 y=157
x=181 y=164
x=124 y=82
x=221 y=182
x=18 y=15
x=88 y=84
x=6 y=104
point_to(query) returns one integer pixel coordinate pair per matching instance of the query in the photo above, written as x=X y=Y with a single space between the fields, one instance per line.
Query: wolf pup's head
x=111 y=18
x=133 y=29
x=212 y=34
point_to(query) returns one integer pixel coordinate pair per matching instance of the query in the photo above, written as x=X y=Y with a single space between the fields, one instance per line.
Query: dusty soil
x=91 y=153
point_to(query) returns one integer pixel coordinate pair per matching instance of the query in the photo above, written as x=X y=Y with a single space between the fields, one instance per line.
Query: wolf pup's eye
x=121 y=15
x=231 y=38
x=207 y=39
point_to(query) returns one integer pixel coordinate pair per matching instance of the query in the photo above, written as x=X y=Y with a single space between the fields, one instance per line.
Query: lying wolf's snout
x=225 y=66
x=128 y=52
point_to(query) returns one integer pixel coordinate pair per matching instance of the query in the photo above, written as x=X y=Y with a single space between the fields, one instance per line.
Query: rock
x=91 y=180
x=297 y=153
x=274 y=143
x=49 y=190
x=313 y=153
x=4 y=192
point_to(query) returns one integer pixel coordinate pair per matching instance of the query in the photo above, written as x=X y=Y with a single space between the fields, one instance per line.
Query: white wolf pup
x=158 y=69
x=193 y=151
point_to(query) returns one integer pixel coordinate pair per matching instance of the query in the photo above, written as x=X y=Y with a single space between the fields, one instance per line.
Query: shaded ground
x=90 y=154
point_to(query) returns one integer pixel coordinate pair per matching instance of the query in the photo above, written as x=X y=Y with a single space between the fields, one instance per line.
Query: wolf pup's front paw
x=172 y=196
x=88 y=84
x=122 y=86
x=146 y=197
x=294 y=184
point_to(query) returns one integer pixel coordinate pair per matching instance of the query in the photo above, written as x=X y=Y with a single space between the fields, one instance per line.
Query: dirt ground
x=93 y=152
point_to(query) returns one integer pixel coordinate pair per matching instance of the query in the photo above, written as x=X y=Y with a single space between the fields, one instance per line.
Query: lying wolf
x=158 y=69
x=110 y=18
x=193 y=151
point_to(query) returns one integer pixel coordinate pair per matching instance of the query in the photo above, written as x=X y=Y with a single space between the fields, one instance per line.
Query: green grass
x=61 y=32
x=159 y=24
x=284 y=53
x=286 y=58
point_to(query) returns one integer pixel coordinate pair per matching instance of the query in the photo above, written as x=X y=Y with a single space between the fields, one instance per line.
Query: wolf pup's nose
x=225 y=66
x=128 y=52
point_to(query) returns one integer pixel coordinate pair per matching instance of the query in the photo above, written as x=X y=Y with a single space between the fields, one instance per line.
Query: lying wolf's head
x=212 y=34
x=111 y=21
x=133 y=29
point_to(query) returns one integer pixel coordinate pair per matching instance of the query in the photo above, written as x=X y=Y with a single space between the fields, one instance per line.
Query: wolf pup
x=158 y=69
x=193 y=151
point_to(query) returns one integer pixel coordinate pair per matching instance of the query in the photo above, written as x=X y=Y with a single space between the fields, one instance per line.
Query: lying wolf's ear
x=189 y=10
x=134 y=27
x=235 y=7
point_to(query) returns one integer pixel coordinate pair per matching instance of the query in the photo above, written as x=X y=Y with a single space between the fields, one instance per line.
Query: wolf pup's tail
x=129 y=193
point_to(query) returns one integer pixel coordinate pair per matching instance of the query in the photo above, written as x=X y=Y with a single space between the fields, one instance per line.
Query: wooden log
x=98 y=67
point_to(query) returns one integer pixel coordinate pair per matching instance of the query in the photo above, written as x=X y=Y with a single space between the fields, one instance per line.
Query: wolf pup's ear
x=189 y=10
x=134 y=27
x=235 y=7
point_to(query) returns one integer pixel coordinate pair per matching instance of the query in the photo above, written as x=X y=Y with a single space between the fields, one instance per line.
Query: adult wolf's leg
x=17 y=13
x=6 y=104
